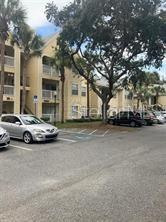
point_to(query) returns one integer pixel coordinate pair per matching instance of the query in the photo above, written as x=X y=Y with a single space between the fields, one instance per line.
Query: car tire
x=133 y=124
x=145 y=123
x=27 y=138
x=114 y=123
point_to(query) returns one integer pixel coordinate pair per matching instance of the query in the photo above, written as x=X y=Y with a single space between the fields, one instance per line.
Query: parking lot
x=71 y=136
x=66 y=136
x=86 y=175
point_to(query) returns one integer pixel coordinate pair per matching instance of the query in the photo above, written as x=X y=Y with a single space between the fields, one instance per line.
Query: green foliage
x=82 y=120
x=27 y=39
x=114 y=38
x=12 y=15
x=61 y=57
x=143 y=85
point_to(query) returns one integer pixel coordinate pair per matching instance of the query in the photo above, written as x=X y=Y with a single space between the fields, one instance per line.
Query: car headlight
x=38 y=131
x=5 y=135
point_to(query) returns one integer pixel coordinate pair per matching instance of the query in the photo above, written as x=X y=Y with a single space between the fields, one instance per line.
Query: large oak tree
x=113 y=37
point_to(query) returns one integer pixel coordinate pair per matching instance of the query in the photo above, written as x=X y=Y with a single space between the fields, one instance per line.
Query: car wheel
x=132 y=124
x=114 y=123
x=27 y=138
x=145 y=123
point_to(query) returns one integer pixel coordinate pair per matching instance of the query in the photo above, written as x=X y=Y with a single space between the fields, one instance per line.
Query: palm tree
x=88 y=70
x=11 y=16
x=31 y=45
x=62 y=60
x=157 y=91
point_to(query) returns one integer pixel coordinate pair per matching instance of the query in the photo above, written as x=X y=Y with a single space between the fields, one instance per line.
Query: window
x=6 y=119
x=83 y=91
x=83 y=111
x=75 y=89
x=10 y=119
x=74 y=111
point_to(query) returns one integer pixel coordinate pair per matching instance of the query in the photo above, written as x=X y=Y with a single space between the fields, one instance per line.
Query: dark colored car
x=126 y=118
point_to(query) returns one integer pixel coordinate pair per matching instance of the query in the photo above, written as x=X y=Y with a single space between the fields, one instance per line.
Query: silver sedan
x=4 y=138
x=29 y=128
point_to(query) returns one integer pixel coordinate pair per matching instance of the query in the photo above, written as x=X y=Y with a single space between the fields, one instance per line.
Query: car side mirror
x=18 y=123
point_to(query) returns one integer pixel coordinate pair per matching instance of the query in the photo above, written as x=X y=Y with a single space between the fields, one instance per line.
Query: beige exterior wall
x=162 y=100
x=74 y=100
x=11 y=96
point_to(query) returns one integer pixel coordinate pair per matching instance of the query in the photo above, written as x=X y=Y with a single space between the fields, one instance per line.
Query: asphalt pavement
x=114 y=177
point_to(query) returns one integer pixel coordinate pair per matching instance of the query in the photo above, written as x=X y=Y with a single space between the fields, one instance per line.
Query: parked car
x=160 y=118
x=28 y=128
x=126 y=118
x=4 y=138
x=164 y=114
x=148 y=118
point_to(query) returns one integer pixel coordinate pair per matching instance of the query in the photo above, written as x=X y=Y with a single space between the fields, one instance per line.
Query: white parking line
x=65 y=131
x=92 y=132
x=21 y=148
x=82 y=138
x=64 y=139
x=82 y=131
x=105 y=133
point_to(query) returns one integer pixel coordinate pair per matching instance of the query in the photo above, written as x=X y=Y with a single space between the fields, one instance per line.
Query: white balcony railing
x=9 y=61
x=49 y=94
x=50 y=71
x=8 y=90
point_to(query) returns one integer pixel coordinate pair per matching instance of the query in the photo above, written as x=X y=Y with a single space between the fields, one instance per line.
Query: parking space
x=66 y=136
x=88 y=132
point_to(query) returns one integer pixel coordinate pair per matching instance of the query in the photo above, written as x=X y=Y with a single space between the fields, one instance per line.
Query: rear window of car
x=7 y=119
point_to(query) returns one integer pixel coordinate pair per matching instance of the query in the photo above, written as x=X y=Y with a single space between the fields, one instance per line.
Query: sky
x=36 y=17
x=37 y=20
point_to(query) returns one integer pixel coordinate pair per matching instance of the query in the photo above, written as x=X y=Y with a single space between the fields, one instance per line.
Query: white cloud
x=35 y=10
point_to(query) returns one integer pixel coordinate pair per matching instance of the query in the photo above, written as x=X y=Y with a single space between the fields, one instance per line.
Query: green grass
x=94 y=125
x=77 y=124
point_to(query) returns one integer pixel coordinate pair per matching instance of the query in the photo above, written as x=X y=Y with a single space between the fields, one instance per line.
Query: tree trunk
x=2 y=75
x=23 y=99
x=138 y=103
x=63 y=94
x=104 y=111
x=88 y=105
x=157 y=96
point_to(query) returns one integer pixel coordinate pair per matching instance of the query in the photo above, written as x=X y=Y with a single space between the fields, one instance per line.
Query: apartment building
x=12 y=79
x=44 y=97
x=43 y=90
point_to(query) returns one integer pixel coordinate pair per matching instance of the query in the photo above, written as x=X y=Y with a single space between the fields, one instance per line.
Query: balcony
x=49 y=95
x=8 y=90
x=50 y=71
x=9 y=61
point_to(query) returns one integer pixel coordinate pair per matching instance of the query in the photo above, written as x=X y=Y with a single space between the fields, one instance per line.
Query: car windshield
x=157 y=113
x=30 y=120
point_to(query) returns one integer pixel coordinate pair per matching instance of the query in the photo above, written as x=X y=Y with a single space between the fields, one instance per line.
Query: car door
x=16 y=127
x=6 y=123
x=124 y=118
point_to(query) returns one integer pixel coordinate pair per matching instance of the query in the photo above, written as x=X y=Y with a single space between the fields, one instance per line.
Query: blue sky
x=46 y=30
